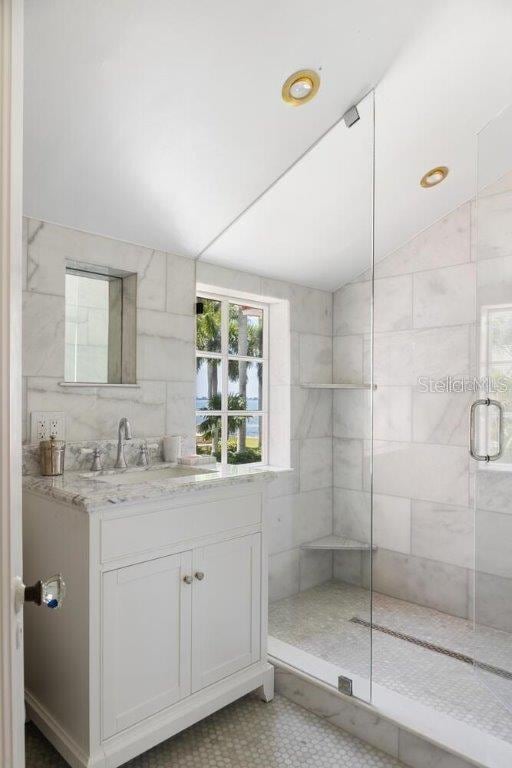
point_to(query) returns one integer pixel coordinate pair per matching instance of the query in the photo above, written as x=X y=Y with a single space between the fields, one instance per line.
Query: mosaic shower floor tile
x=318 y=621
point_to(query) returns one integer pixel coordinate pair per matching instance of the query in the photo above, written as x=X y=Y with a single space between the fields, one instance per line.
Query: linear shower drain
x=433 y=647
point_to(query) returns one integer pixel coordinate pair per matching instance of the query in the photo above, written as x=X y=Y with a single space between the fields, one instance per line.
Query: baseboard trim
x=58 y=736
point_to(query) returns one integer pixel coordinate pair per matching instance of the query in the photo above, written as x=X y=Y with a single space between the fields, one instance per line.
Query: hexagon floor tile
x=247 y=734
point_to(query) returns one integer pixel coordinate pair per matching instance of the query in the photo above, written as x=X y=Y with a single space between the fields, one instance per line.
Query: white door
x=146 y=639
x=226 y=616
x=12 y=752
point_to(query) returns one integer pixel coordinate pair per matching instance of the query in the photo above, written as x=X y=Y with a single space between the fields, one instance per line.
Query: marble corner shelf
x=311 y=385
x=337 y=543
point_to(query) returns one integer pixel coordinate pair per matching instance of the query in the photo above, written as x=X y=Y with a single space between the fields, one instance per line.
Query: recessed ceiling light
x=300 y=87
x=434 y=176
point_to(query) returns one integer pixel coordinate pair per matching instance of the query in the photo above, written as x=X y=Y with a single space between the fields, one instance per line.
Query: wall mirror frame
x=100 y=326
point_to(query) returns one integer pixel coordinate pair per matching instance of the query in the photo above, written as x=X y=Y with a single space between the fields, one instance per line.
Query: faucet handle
x=97 y=461
x=143 y=459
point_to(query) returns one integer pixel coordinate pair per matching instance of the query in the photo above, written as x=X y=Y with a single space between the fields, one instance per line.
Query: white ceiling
x=158 y=122
x=314 y=225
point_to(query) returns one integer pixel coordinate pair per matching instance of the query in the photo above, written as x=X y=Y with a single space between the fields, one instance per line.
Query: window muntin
x=232 y=379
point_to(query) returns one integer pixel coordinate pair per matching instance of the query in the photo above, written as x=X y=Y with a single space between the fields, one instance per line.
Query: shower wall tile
x=347 y=463
x=440 y=417
x=392 y=413
x=441 y=352
x=351 y=309
x=443 y=532
x=393 y=358
x=493 y=606
x=311 y=413
x=445 y=243
x=393 y=303
x=283 y=574
x=287 y=483
x=418 y=580
x=347 y=363
x=412 y=357
x=315 y=359
x=351 y=413
x=494 y=280
x=315 y=463
x=493 y=537
x=352 y=514
x=351 y=568
x=314 y=568
x=493 y=490
x=392 y=523
x=426 y=472
x=444 y=296
x=494 y=221
x=301 y=518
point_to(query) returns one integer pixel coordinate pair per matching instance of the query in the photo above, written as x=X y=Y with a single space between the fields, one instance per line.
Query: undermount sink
x=132 y=477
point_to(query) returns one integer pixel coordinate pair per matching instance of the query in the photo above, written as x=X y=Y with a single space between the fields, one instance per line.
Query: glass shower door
x=491 y=417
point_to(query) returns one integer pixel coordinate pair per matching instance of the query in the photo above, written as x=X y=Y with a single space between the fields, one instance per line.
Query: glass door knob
x=50 y=592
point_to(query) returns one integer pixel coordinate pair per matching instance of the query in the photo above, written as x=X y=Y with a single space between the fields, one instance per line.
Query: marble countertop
x=96 y=490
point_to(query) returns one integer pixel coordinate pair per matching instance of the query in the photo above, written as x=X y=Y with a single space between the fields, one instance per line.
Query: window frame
x=225 y=357
x=486 y=361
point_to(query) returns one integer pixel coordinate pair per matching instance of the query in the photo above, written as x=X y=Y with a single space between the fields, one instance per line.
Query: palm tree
x=208 y=340
x=244 y=339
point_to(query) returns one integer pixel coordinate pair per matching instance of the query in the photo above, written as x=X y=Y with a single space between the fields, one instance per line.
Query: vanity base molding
x=127 y=745
x=164 y=620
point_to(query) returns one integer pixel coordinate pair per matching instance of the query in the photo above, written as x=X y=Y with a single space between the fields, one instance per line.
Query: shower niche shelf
x=338 y=543
x=312 y=385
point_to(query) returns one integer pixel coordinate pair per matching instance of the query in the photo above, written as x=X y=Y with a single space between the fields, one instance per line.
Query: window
x=496 y=372
x=231 y=374
x=100 y=328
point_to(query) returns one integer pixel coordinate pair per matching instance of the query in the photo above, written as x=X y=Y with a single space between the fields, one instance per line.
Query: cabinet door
x=146 y=639
x=226 y=609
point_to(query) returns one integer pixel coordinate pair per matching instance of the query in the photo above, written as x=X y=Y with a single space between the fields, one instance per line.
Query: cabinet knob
x=188 y=579
x=199 y=575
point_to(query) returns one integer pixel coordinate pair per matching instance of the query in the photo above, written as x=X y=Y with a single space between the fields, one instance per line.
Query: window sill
x=96 y=384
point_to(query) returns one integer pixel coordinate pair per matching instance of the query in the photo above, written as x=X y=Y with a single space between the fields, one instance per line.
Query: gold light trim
x=434 y=177
x=303 y=74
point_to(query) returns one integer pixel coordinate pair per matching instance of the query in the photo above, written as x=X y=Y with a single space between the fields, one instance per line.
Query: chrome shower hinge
x=345 y=685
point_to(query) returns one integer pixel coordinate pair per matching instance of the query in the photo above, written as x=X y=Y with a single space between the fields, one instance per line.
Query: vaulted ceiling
x=161 y=122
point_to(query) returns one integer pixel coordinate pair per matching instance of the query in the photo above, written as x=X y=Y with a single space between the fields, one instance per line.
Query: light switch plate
x=46 y=424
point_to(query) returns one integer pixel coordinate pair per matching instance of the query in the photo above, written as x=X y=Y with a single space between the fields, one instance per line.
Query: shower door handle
x=472 y=450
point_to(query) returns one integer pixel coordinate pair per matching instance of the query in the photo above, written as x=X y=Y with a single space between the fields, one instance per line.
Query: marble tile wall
x=423 y=518
x=163 y=403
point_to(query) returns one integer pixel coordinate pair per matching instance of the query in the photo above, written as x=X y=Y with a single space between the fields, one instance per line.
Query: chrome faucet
x=124 y=433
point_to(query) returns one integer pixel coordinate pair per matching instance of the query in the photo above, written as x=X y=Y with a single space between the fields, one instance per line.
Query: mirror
x=100 y=332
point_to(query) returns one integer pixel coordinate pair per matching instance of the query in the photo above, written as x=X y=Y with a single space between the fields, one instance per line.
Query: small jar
x=51 y=456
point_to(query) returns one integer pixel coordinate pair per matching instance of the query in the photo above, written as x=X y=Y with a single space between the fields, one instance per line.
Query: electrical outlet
x=46 y=424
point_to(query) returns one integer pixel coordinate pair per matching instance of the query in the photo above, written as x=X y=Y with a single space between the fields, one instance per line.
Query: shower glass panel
x=492 y=417
x=321 y=624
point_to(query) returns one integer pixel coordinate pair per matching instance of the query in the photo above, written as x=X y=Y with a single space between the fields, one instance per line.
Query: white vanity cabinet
x=163 y=623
